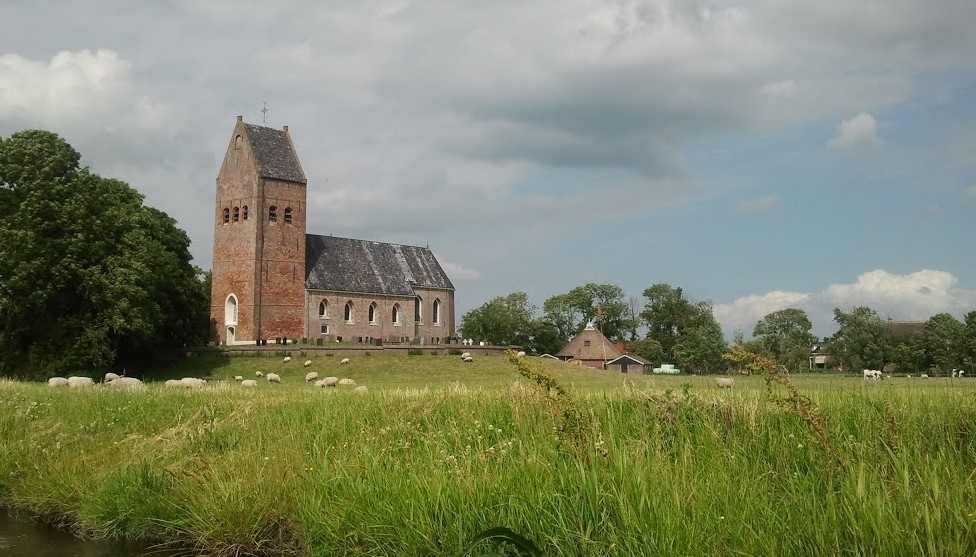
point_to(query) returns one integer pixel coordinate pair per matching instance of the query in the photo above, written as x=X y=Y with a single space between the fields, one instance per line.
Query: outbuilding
x=628 y=363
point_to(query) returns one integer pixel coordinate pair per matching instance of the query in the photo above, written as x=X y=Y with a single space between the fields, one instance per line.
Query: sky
x=757 y=154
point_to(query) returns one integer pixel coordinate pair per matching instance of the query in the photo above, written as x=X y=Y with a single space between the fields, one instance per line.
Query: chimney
x=240 y=118
x=285 y=128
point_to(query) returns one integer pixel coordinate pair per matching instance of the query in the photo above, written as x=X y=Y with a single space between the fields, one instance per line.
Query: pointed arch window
x=237 y=214
x=244 y=212
x=226 y=215
x=435 y=314
x=347 y=313
x=273 y=213
x=372 y=313
x=396 y=314
x=417 y=303
x=323 y=309
x=287 y=215
x=230 y=310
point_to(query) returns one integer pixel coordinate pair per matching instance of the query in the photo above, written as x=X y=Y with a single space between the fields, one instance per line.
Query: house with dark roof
x=273 y=280
x=589 y=348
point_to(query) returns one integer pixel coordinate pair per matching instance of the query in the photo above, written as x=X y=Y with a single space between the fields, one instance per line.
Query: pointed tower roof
x=274 y=153
x=590 y=344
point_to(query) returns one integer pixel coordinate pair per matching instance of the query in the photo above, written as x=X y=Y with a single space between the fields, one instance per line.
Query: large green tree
x=785 y=336
x=942 y=341
x=600 y=303
x=90 y=278
x=967 y=344
x=686 y=330
x=863 y=340
x=501 y=321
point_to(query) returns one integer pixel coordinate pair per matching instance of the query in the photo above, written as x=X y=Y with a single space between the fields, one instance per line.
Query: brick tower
x=259 y=238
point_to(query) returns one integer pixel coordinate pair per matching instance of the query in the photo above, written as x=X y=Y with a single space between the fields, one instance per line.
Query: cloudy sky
x=759 y=154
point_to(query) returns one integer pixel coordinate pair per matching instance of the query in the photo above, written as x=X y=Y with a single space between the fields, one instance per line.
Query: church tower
x=259 y=238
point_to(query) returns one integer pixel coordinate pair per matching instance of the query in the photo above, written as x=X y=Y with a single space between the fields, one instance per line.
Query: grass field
x=439 y=450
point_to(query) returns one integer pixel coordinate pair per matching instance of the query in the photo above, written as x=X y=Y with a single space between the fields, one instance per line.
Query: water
x=19 y=538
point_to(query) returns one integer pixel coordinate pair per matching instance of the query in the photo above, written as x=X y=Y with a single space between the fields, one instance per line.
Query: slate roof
x=276 y=158
x=363 y=266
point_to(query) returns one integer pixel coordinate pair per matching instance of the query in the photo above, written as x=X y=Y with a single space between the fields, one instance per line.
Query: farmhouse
x=273 y=280
x=589 y=348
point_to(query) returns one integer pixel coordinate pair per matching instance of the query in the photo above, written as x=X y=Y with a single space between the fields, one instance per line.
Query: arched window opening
x=287 y=215
x=226 y=215
x=230 y=310
x=372 y=313
x=436 y=312
x=347 y=313
x=273 y=213
x=416 y=309
x=238 y=140
x=396 y=314
x=237 y=214
x=244 y=212
x=323 y=309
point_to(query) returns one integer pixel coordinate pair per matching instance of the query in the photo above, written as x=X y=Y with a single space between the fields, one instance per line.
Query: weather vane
x=264 y=113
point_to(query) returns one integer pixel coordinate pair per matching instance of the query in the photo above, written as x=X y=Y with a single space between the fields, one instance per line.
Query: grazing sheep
x=320 y=383
x=273 y=378
x=192 y=382
x=80 y=382
x=724 y=382
x=311 y=376
x=249 y=383
x=110 y=377
x=344 y=361
x=924 y=376
x=468 y=360
x=308 y=363
x=57 y=382
x=346 y=381
x=174 y=384
x=129 y=383
x=360 y=389
x=287 y=359
x=466 y=355
x=258 y=374
x=521 y=354
x=238 y=378
x=330 y=381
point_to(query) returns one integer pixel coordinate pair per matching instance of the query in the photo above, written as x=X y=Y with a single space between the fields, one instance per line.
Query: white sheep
x=249 y=383
x=273 y=378
x=360 y=389
x=129 y=383
x=467 y=360
x=258 y=374
x=466 y=355
x=330 y=381
x=724 y=382
x=173 y=384
x=521 y=354
x=346 y=381
x=80 y=382
x=344 y=361
x=308 y=363
x=924 y=376
x=110 y=377
x=320 y=383
x=238 y=378
x=192 y=383
x=311 y=376
x=287 y=359
x=57 y=382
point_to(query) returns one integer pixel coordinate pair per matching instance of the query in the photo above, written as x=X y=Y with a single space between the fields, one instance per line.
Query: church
x=272 y=280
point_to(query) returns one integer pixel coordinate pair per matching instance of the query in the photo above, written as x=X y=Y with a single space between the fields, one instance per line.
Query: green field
x=439 y=450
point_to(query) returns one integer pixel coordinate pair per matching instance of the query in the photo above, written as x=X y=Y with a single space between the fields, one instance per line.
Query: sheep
x=319 y=383
x=249 y=383
x=724 y=382
x=192 y=382
x=110 y=377
x=287 y=359
x=57 y=382
x=75 y=382
x=924 y=376
x=258 y=374
x=311 y=376
x=308 y=363
x=330 y=381
x=129 y=383
x=344 y=361
x=467 y=360
x=360 y=389
x=273 y=378
x=521 y=354
x=466 y=355
x=346 y=381
x=174 y=384
x=238 y=378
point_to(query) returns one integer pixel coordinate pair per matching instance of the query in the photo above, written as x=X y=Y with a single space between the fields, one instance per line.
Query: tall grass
x=439 y=451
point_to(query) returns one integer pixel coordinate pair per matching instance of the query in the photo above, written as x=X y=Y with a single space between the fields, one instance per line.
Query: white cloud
x=917 y=295
x=457 y=271
x=858 y=130
x=761 y=204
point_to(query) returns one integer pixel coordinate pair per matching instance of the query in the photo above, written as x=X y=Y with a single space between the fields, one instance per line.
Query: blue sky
x=758 y=154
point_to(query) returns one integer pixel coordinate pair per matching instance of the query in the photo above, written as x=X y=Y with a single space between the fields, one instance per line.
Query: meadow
x=579 y=462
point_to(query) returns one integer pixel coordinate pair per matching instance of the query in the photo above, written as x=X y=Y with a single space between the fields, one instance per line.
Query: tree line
x=667 y=326
x=90 y=278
